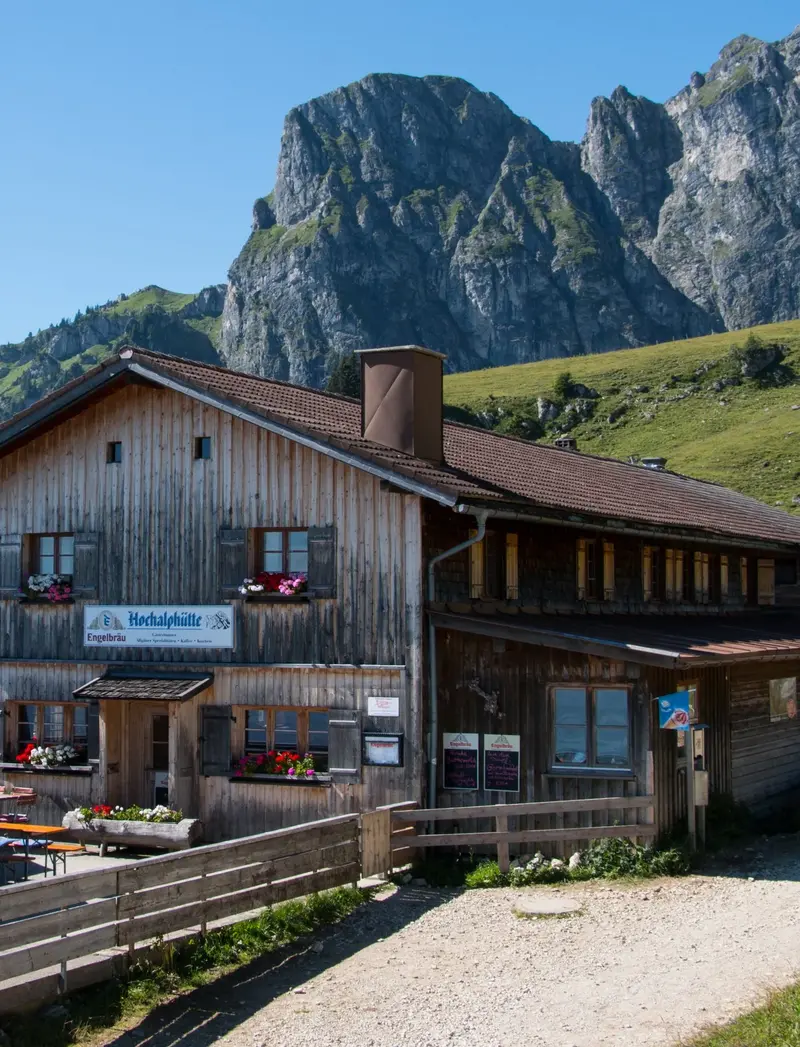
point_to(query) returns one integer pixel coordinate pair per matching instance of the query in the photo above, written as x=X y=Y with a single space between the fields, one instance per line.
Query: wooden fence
x=53 y=921
x=403 y=817
x=50 y=922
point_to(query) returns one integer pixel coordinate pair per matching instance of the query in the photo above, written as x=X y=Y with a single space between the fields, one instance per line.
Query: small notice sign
x=501 y=762
x=383 y=705
x=460 y=761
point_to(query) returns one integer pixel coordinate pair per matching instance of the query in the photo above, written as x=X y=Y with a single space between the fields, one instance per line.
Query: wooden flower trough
x=170 y=836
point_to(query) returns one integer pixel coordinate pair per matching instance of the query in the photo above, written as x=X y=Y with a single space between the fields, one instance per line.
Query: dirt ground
x=639 y=964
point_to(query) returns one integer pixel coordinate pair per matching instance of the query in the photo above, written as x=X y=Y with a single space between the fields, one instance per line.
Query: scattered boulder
x=584 y=392
x=617 y=413
x=547 y=410
x=575 y=861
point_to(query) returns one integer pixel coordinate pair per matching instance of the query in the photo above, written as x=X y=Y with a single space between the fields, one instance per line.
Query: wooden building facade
x=152 y=488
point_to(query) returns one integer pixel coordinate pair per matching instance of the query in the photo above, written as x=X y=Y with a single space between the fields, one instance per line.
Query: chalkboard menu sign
x=460 y=761
x=501 y=762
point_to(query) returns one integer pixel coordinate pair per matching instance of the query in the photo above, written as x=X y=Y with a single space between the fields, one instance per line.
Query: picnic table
x=29 y=832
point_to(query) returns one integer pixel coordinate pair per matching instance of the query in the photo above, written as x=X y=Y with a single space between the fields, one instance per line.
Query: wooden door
x=149 y=741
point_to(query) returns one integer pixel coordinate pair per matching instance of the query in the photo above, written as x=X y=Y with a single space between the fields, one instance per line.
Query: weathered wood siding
x=712 y=709
x=765 y=756
x=235 y=808
x=547 y=568
x=495 y=687
x=160 y=512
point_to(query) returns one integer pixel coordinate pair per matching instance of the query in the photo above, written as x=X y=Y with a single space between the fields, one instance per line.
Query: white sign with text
x=388 y=705
x=158 y=626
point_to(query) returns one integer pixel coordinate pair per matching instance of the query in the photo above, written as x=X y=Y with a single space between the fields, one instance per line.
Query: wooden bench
x=12 y=863
x=57 y=852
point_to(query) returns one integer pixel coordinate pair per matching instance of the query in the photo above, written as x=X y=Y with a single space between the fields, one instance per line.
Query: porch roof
x=152 y=687
x=674 y=642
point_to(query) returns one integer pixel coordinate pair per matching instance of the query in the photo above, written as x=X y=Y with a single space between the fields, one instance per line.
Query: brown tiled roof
x=496 y=471
x=175 y=687
x=679 y=641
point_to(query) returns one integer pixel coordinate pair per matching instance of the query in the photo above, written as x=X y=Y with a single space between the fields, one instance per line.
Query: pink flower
x=291 y=772
x=310 y=772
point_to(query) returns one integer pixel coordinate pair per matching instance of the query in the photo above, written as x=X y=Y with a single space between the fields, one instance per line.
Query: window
x=783 y=699
x=494 y=567
x=299 y=730
x=591 y=728
x=766 y=582
x=282 y=551
x=202 y=447
x=595 y=569
x=53 y=554
x=114 y=453
x=786 y=572
x=50 y=724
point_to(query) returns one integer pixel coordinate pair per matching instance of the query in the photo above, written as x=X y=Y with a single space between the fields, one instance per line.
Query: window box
x=275 y=598
x=26 y=768
x=27 y=597
x=319 y=780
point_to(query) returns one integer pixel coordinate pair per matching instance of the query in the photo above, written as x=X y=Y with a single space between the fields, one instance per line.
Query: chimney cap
x=402 y=349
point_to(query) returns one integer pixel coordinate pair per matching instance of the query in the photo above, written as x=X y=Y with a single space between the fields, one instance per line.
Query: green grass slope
x=170 y=301
x=746 y=437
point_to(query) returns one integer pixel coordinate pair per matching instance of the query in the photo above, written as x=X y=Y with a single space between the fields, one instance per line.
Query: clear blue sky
x=135 y=134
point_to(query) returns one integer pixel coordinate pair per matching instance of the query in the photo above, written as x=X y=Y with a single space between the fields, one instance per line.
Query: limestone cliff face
x=708 y=185
x=424 y=210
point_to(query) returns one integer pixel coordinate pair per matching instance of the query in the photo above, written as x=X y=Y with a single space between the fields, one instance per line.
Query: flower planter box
x=319 y=780
x=170 y=836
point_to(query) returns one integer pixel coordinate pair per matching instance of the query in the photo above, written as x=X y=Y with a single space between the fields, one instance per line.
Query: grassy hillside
x=170 y=301
x=666 y=400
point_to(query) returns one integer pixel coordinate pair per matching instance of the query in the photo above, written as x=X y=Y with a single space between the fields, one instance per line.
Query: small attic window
x=114 y=452
x=202 y=447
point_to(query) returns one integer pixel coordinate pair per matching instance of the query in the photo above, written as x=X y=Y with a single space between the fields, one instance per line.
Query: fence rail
x=501 y=837
x=52 y=922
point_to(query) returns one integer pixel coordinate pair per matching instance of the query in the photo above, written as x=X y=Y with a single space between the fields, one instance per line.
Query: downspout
x=433 y=740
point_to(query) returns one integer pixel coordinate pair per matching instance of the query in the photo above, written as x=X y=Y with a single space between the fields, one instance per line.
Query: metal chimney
x=401 y=399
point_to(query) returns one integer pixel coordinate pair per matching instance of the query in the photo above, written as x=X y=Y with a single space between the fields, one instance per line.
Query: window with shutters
x=269 y=731
x=595 y=569
x=278 y=563
x=591 y=729
x=48 y=724
x=50 y=567
x=494 y=566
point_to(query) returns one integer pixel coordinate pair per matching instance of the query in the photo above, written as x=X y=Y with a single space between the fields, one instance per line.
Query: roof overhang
x=149 y=686
x=619 y=641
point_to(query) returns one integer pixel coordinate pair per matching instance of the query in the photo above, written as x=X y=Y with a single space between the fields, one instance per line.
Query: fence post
x=501 y=826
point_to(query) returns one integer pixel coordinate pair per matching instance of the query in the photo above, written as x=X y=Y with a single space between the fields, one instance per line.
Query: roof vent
x=566 y=443
x=401 y=399
x=654 y=463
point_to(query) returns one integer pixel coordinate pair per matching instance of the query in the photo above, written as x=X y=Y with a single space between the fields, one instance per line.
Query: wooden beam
x=457 y=814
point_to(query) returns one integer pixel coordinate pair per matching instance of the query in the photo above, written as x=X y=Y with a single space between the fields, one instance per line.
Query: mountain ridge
x=421 y=209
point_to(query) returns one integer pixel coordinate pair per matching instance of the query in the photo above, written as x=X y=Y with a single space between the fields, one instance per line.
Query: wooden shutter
x=86 y=570
x=647 y=573
x=476 y=568
x=93 y=739
x=215 y=740
x=723 y=577
x=4 y=715
x=580 y=568
x=743 y=576
x=678 y=575
x=512 y=567
x=670 y=578
x=10 y=565
x=322 y=562
x=344 y=745
x=700 y=579
x=609 y=572
x=232 y=561
x=706 y=576
x=766 y=582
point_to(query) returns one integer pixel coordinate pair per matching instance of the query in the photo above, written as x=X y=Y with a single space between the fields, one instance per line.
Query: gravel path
x=637 y=965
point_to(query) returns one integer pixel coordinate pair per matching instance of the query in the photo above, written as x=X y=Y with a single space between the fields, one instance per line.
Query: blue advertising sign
x=673 y=711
